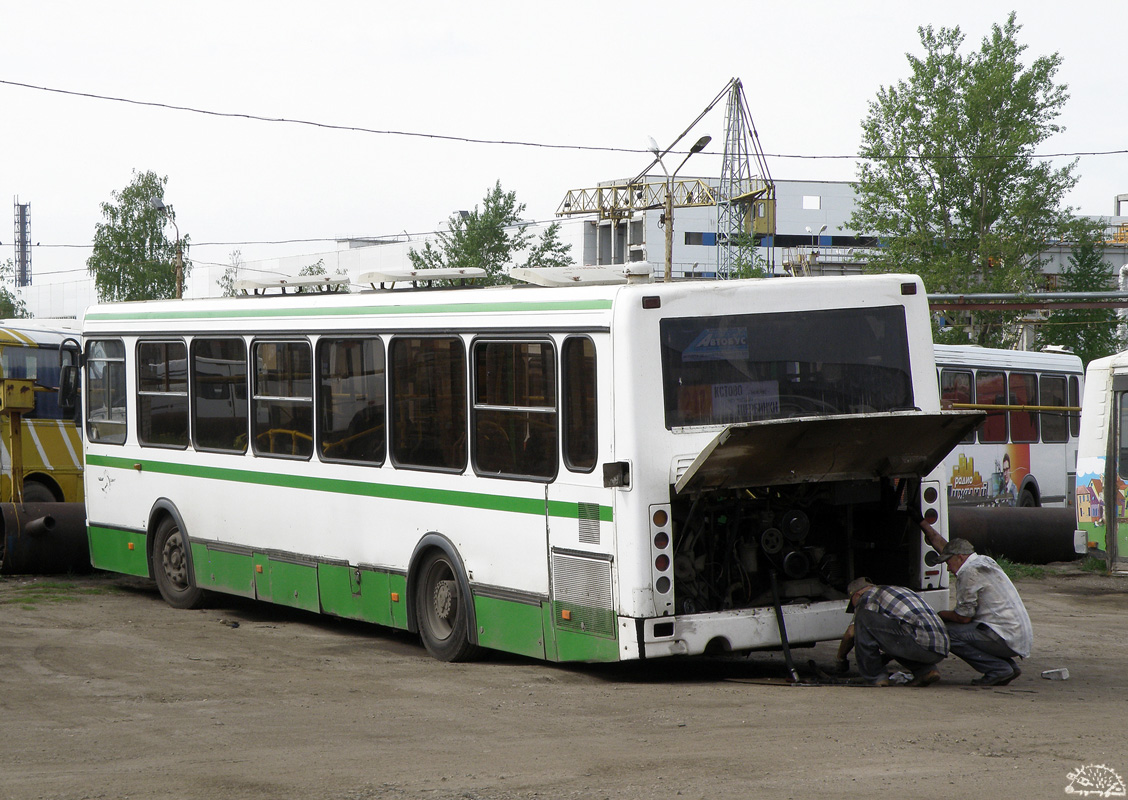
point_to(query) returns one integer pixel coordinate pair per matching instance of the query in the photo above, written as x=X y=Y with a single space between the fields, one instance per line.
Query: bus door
x=580 y=616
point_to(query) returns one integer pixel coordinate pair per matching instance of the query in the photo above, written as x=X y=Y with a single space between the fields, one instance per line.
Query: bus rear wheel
x=441 y=609
x=1027 y=499
x=171 y=569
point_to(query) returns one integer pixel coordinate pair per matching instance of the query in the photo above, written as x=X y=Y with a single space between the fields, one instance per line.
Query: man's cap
x=855 y=585
x=956 y=547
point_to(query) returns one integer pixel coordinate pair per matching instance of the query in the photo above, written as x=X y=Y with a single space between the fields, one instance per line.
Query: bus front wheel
x=1027 y=499
x=170 y=567
x=441 y=609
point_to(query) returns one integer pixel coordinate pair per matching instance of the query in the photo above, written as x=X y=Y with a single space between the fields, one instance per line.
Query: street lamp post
x=160 y=206
x=698 y=146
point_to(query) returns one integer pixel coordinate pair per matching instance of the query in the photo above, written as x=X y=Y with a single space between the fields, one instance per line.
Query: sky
x=583 y=84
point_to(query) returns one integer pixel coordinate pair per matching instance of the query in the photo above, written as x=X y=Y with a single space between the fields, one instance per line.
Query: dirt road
x=106 y=692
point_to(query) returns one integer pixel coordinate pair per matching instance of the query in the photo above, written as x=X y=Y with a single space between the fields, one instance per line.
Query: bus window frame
x=186 y=394
x=271 y=401
x=477 y=408
x=108 y=376
x=566 y=406
x=194 y=398
x=393 y=395
x=321 y=398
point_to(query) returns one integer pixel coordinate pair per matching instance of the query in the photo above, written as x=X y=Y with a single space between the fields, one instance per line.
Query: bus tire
x=441 y=610
x=36 y=492
x=1027 y=499
x=171 y=567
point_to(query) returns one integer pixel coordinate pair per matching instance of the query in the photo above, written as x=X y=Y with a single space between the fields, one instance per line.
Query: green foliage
x=1014 y=570
x=133 y=259
x=12 y=306
x=490 y=238
x=226 y=283
x=1094 y=564
x=950 y=186
x=747 y=260
x=315 y=269
x=1088 y=332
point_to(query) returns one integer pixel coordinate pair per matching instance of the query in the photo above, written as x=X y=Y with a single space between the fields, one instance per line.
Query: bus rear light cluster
x=661 y=559
x=930 y=510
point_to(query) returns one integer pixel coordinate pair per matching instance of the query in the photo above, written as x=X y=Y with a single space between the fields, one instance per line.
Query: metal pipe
x=43 y=538
x=1026 y=535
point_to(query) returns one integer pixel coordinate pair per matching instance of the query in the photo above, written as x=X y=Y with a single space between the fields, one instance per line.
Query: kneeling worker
x=989 y=626
x=891 y=622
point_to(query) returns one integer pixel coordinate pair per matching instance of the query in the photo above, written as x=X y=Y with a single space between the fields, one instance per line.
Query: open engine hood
x=849 y=447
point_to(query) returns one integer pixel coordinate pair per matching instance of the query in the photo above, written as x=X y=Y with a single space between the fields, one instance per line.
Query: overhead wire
x=519 y=143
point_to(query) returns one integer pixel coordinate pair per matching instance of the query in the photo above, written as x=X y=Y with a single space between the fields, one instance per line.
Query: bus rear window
x=741 y=368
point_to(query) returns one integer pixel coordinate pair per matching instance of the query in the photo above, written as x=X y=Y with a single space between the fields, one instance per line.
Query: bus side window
x=351 y=400
x=428 y=402
x=579 y=394
x=955 y=387
x=105 y=395
x=1075 y=401
x=514 y=423
x=1122 y=456
x=283 y=399
x=991 y=389
x=162 y=394
x=1023 y=388
x=219 y=394
x=1054 y=423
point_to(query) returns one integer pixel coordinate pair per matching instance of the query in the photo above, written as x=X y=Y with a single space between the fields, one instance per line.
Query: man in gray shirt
x=989 y=626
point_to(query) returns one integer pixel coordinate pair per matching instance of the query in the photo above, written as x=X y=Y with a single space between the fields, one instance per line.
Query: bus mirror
x=68 y=387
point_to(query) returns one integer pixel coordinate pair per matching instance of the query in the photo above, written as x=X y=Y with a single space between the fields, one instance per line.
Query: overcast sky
x=592 y=74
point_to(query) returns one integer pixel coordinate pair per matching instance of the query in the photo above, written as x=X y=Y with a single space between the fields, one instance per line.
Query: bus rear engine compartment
x=815 y=537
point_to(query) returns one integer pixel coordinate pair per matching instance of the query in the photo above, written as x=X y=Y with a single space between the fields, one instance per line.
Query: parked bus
x=1102 y=457
x=51 y=446
x=592 y=472
x=1025 y=452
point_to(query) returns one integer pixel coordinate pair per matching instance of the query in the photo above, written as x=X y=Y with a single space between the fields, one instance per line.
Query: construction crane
x=745 y=202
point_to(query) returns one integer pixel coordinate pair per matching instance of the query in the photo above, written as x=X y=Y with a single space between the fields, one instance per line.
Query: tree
x=133 y=259
x=950 y=185
x=230 y=276
x=12 y=306
x=1088 y=332
x=315 y=269
x=490 y=238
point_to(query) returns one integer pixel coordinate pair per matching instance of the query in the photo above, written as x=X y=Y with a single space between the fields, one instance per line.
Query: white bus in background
x=1101 y=482
x=1025 y=453
x=584 y=472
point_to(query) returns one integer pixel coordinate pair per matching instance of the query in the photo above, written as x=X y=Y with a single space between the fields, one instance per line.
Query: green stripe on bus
x=313 y=311
x=447 y=497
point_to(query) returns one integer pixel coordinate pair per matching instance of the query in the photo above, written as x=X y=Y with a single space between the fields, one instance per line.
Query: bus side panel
x=231 y=573
x=354 y=593
x=576 y=646
x=290 y=583
x=118 y=550
x=510 y=626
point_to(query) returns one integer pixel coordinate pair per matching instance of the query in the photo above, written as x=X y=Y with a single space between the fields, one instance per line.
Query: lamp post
x=698 y=146
x=158 y=204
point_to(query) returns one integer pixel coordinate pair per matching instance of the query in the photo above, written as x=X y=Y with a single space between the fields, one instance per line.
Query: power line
x=517 y=143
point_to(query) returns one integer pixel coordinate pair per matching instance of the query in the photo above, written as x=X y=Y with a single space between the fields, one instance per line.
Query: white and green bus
x=592 y=472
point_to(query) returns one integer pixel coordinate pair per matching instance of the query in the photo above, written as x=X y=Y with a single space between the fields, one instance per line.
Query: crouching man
x=891 y=622
x=989 y=626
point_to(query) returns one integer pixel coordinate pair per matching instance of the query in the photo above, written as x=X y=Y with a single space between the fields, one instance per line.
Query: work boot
x=925 y=678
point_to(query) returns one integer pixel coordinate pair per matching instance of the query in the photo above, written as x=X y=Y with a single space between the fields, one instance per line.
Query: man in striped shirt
x=891 y=622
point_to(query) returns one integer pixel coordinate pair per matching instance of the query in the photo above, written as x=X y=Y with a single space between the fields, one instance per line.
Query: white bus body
x=589 y=473
x=1025 y=452
x=1102 y=456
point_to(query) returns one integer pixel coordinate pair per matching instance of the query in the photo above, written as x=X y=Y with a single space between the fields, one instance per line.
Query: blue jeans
x=875 y=634
x=982 y=648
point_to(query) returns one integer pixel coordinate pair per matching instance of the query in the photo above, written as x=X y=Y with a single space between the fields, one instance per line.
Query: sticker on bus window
x=718 y=344
x=744 y=402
